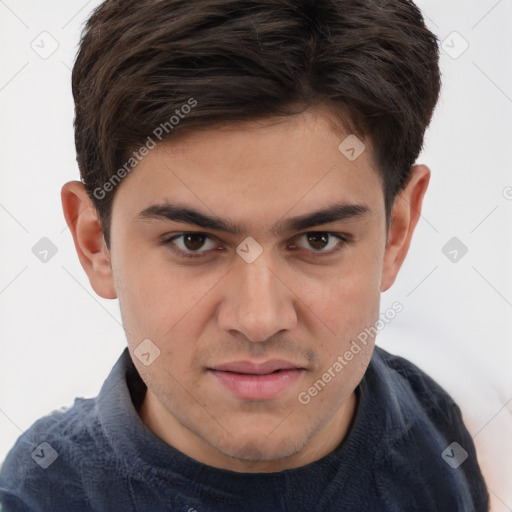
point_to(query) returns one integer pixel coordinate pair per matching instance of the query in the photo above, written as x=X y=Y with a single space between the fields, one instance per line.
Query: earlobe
x=83 y=222
x=404 y=218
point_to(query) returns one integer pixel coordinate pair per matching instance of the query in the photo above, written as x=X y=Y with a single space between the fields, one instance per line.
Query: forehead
x=256 y=170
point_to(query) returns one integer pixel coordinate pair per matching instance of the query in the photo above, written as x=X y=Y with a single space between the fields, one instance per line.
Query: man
x=248 y=190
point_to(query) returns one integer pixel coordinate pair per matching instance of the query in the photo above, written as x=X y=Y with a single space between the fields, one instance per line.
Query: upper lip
x=250 y=367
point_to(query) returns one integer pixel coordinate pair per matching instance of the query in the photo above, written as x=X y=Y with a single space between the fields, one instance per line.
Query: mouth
x=257 y=381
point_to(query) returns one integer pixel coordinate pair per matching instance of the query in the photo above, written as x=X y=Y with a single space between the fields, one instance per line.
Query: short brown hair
x=372 y=63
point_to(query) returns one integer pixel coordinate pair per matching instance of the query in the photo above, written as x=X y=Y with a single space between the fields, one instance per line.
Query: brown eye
x=193 y=241
x=190 y=244
x=318 y=240
x=321 y=242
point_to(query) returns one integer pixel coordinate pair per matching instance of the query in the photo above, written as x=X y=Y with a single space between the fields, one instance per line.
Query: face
x=253 y=302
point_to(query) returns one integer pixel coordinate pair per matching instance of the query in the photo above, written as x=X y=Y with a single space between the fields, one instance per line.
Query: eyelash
x=344 y=240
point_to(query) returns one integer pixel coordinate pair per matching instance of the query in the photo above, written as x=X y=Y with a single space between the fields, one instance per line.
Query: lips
x=257 y=381
x=248 y=367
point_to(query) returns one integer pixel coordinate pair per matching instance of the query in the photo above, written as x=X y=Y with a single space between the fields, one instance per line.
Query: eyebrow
x=188 y=215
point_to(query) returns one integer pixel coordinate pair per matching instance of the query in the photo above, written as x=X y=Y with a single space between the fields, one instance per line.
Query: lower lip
x=257 y=387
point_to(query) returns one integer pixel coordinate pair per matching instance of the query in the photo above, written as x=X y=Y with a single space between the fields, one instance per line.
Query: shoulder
x=425 y=444
x=47 y=460
x=411 y=386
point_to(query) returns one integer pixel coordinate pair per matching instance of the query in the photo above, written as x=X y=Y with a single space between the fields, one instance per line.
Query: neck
x=319 y=444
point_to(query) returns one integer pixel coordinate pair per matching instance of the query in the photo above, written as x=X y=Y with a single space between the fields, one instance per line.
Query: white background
x=59 y=340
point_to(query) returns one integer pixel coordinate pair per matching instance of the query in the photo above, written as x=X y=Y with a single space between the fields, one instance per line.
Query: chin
x=261 y=449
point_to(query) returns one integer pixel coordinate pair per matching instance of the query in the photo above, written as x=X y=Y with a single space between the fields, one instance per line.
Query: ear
x=83 y=222
x=404 y=217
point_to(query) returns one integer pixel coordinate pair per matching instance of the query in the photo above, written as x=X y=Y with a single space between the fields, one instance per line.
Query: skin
x=291 y=303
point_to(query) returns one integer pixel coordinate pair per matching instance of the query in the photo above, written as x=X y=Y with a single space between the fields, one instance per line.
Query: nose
x=258 y=302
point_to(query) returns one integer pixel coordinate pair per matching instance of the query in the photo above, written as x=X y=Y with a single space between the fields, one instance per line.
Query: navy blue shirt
x=407 y=450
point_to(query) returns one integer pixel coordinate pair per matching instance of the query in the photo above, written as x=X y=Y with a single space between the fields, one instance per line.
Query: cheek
x=345 y=301
x=350 y=307
x=162 y=301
